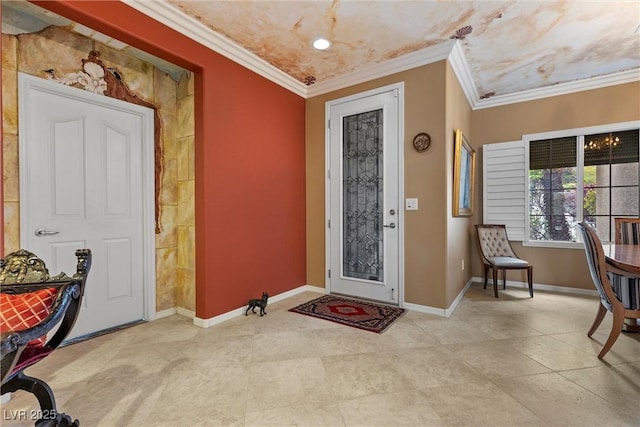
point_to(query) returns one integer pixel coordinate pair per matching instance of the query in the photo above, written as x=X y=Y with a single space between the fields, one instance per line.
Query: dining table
x=624 y=258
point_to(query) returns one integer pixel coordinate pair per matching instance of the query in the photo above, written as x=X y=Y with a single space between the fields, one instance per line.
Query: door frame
x=28 y=83
x=399 y=87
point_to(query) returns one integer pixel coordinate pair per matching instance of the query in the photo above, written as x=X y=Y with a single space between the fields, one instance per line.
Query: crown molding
x=463 y=73
x=170 y=16
x=451 y=50
x=622 y=77
x=382 y=69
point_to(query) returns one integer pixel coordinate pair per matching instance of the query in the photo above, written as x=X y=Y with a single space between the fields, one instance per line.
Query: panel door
x=82 y=188
x=364 y=223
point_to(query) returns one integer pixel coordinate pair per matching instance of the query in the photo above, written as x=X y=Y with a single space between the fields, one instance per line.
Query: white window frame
x=579 y=133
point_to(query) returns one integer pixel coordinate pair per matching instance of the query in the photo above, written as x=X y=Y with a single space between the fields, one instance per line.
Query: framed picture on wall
x=464 y=157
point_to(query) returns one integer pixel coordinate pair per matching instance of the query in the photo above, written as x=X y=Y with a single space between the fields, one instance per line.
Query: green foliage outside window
x=608 y=188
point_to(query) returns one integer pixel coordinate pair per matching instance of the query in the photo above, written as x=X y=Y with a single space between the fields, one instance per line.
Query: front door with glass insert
x=363 y=181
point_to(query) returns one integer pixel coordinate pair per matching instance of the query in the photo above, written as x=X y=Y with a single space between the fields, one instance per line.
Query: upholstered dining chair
x=627 y=231
x=609 y=301
x=498 y=255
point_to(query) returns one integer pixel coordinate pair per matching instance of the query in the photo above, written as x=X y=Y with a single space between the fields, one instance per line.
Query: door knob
x=392 y=225
x=42 y=232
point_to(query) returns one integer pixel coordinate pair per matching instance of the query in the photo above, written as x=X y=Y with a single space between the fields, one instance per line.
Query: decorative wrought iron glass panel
x=362 y=193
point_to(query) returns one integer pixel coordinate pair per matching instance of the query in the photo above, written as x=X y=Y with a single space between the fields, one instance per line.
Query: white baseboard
x=297 y=291
x=510 y=284
x=425 y=309
x=443 y=312
x=541 y=287
x=207 y=323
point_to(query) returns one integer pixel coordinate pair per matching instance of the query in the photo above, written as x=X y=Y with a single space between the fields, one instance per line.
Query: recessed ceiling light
x=321 y=44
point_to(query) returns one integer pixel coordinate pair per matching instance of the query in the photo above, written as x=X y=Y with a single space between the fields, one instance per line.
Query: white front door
x=81 y=186
x=364 y=209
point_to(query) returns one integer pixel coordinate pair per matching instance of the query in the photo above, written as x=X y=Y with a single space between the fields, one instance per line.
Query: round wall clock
x=421 y=142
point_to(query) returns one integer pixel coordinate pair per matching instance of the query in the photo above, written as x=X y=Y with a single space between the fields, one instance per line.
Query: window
x=588 y=174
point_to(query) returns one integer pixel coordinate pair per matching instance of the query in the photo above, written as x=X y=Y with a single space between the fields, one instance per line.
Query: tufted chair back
x=494 y=242
x=498 y=255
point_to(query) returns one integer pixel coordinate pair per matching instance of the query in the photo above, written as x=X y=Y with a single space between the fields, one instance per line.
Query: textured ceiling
x=509 y=46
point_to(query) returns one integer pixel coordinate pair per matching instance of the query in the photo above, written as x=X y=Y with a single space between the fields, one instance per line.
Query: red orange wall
x=249 y=162
x=1 y=176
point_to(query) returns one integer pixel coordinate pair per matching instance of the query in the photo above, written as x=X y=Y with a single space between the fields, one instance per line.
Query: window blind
x=553 y=153
x=611 y=148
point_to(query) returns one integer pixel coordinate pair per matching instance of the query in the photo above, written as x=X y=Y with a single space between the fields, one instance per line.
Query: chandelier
x=597 y=144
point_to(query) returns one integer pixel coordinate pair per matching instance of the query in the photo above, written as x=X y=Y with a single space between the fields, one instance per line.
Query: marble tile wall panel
x=169 y=190
x=11 y=227
x=9 y=101
x=186 y=85
x=164 y=92
x=186 y=193
x=186 y=203
x=168 y=237
x=186 y=247
x=52 y=48
x=165 y=278
x=186 y=289
x=192 y=159
x=9 y=52
x=185 y=116
x=182 y=152
x=169 y=139
x=138 y=75
x=10 y=168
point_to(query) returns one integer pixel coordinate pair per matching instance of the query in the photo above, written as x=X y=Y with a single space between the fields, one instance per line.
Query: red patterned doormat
x=358 y=314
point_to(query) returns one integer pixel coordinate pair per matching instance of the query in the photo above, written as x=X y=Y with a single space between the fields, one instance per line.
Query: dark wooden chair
x=498 y=255
x=32 y=305
x=609 y=301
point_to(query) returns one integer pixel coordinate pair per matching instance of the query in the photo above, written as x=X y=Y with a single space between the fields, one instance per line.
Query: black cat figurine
x=262 y=303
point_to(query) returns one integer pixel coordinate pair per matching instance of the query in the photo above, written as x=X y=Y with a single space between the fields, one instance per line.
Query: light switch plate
x=411 y=204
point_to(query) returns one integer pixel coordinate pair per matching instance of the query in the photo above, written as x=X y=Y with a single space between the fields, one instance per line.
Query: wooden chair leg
x=495 y=282
x=530 y=279
x=616 y=328
x=598 y=320
x=504 y=279
x=486 y=273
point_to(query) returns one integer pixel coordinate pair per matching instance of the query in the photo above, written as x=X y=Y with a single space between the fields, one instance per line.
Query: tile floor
x=513 y=361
